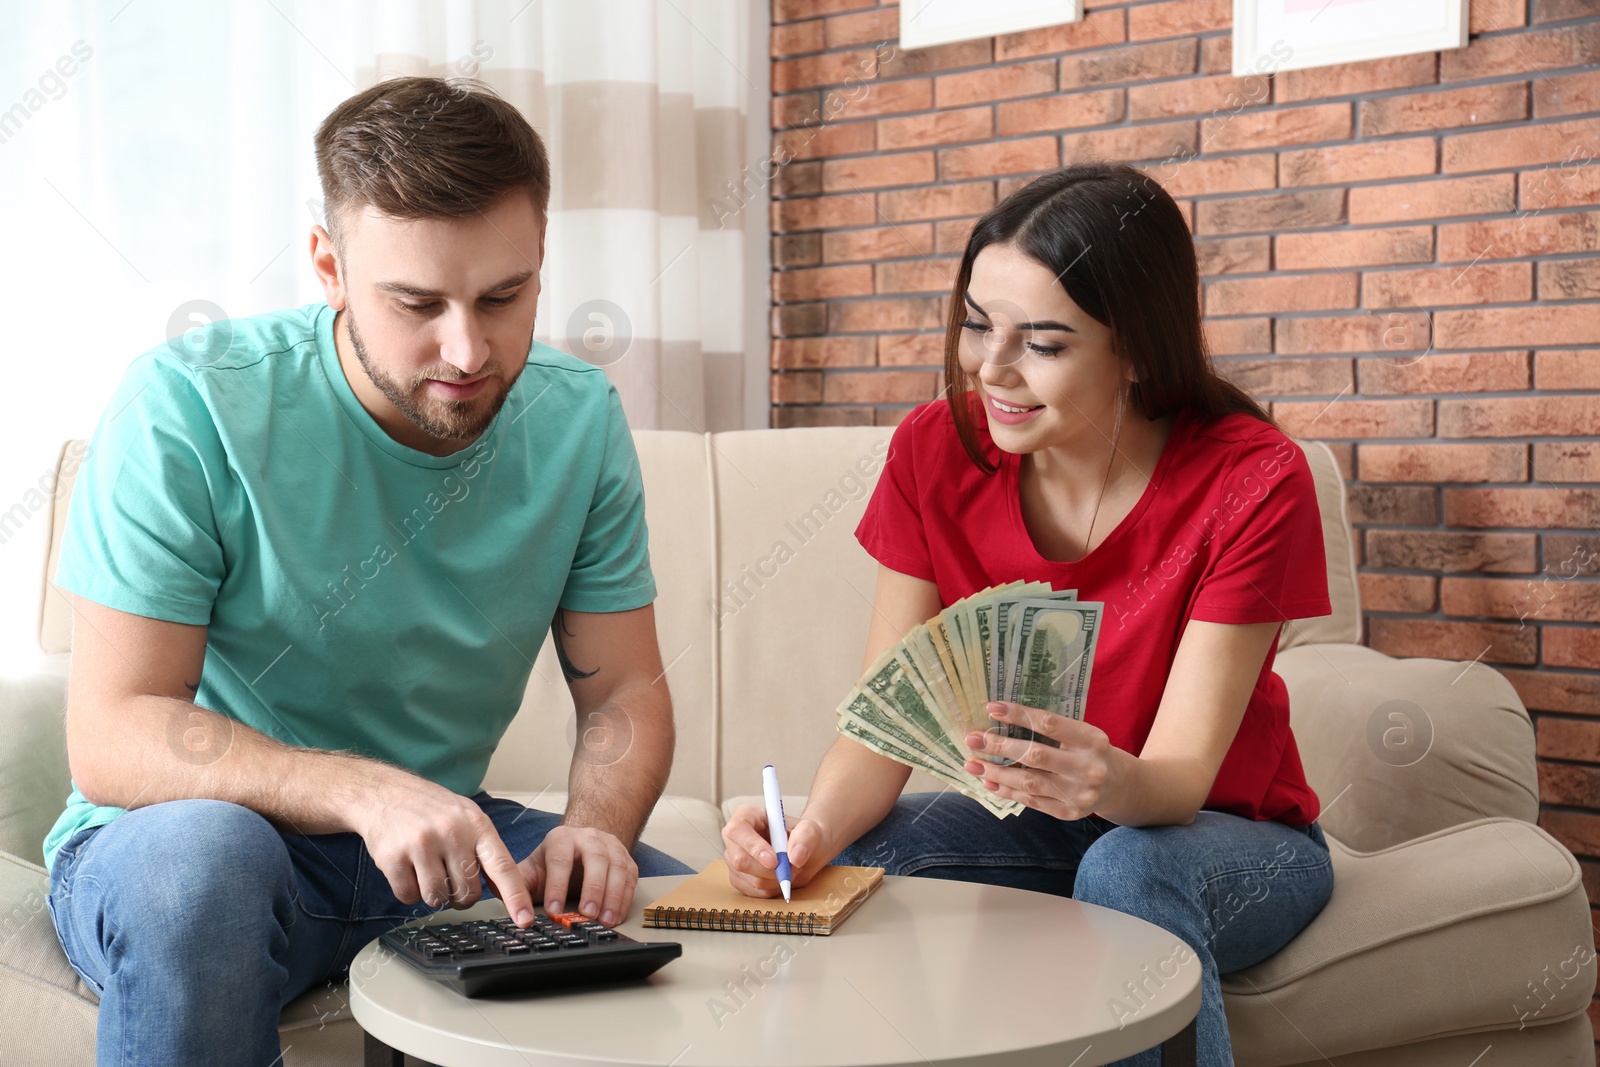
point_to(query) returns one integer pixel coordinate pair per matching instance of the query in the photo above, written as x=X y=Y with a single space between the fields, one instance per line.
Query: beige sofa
x=1458 y=932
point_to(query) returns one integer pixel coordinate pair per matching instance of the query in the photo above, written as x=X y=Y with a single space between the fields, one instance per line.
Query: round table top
x=928 y=971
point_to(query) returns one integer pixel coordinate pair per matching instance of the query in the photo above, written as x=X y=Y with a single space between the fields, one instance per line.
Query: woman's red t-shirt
x=1228 y=530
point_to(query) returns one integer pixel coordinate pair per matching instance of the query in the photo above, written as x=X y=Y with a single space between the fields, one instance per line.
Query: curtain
x=641 y=105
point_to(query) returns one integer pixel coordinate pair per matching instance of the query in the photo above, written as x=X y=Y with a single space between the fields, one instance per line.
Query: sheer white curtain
x=156 y=171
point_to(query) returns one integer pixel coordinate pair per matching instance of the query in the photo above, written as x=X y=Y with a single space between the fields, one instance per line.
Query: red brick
x=876 y=172
x=1271 y=212
x=803 y=352
x=1559 y=324
x=1233 y=255
x=1337 y=164
x=937 y=201
x=888 y=313
x=880 y=242
x=995 y=83
x=799 y=320
x=1497 y=462
x=1196 y=96
x=1394 y=331
x=1023 y=156
x=1096 y=30
x=804 y=387
x=1355 y=418
x=866 y=27
x=1567 y=461
x=1275 y=127
x=829 y=68
x=880 y=387
x=1565 y=783
x=1546 y=142
x=1405 y=201
x=1167 y=140
x=1429 y=550
x=789 y=10
x=1349 y=79
x=822 y=212
x=1393 y=505
x=1567 y=739
x=1546 y=599
x=1178 y=18
x=1464 y=641
x=1140 y=62
x=911 y=350
x=878 y=98
x=796 y=38
x=1216 y=54
x=1279 y=376
x=1566 y=509
x=938 y=127
x=951 y=235
x=1477 y=283
x=1536 y=235
x=1492 y=16
x=820 y=283
x=1397 y=592
x=1548 y=690
x=916 y=276
x=1238 y=336
x=1569 y=279
x=1556 y=185
x=1571 y=646
x=1475 y=105
x=1061 y=111
x=784 y=418
x=890 y=416
x=1202 y=176
x=797 y=179
x=1281 y=292
x=816 y=142
x=1521 y=53
x=797 y=250
x=1578 y=369
x=1561 y=10
x=1354 y=248
x=1566 y=94
x=971 y=53
x=1515 y=416
x=1463 y=372
x=1580 y=833
x=796 y=109
x=1572 y=555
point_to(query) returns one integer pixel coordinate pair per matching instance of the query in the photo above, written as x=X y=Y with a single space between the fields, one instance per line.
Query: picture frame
x=1274 y=35
x=929 y=22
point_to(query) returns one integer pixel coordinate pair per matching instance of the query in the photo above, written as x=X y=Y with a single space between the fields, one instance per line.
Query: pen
x=775 y=826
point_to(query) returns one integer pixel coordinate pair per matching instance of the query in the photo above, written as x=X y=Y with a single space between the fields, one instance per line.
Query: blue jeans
x=1234 y=890
x=196 y=921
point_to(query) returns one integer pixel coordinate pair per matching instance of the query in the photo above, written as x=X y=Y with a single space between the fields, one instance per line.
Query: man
x=314 y=557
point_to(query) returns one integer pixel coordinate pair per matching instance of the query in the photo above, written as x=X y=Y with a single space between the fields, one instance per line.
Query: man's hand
x=431 y=844
x=583 y=855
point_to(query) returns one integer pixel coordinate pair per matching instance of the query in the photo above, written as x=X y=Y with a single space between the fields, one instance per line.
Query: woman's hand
x=1068 y=782
x=753 y=865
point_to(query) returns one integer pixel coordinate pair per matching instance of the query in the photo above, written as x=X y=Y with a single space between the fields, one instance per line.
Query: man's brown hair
x=417 y=148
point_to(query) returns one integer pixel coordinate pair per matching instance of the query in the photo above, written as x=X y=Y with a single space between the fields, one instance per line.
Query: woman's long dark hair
x=1120 y=248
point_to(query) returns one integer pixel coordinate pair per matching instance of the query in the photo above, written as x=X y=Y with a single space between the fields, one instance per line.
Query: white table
x=927 y=972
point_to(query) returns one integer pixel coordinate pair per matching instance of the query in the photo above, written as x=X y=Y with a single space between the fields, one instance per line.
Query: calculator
x=554 y=952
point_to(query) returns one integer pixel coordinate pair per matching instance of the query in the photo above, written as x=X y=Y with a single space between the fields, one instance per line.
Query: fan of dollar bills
x=1022 y=642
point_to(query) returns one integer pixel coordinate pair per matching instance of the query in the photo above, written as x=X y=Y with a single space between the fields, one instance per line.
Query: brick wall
x=1399 y=255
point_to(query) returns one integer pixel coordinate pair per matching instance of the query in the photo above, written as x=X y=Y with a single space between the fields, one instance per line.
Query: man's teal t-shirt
x=360 y=595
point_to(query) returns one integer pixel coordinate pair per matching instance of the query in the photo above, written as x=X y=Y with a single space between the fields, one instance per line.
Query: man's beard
x=451 y=420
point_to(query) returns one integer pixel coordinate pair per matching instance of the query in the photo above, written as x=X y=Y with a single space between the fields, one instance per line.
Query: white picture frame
x=930 y=22
x=1274 y=35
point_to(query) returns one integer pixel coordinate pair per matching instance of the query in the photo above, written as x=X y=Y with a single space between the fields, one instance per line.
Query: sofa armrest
x=1400 y=748
x=34 y=780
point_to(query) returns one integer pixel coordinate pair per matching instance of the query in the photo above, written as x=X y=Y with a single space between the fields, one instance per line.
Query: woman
x=1086 y=441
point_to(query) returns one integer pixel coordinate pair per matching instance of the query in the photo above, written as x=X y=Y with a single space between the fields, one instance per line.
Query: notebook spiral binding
x=742 y=919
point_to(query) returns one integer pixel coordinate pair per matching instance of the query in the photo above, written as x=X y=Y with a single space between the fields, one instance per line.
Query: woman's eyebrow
x=1047 y=324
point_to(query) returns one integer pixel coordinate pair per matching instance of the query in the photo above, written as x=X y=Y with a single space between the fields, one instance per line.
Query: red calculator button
x=567 y=918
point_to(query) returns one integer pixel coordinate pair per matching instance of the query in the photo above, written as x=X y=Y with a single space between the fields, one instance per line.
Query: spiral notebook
x=708 y=902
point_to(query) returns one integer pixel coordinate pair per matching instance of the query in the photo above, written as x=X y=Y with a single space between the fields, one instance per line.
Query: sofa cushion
x=1495 y=896
x=1344 y=623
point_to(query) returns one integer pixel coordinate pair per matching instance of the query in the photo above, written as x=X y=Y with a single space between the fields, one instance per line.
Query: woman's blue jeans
x=196 y=921
x=1235 y=890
